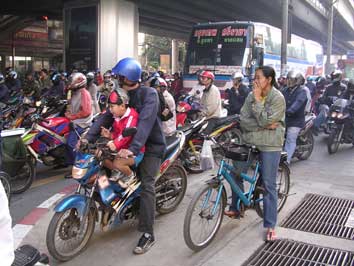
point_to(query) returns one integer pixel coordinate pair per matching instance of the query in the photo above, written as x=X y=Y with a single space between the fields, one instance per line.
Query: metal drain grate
x=287 y=252
x=323 y=215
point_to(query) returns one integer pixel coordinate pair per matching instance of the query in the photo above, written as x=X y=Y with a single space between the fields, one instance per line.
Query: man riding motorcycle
x=296 y=100
x=237 y=94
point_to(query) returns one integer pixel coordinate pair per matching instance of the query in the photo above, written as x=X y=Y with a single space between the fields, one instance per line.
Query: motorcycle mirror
x=129 y=131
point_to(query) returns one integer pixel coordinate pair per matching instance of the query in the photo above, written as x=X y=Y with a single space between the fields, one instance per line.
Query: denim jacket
x=256 y=116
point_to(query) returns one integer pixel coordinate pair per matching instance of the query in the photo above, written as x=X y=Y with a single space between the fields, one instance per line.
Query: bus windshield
x=218 y=47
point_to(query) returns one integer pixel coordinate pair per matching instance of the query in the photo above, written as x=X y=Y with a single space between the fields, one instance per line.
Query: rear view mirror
x=129 y=131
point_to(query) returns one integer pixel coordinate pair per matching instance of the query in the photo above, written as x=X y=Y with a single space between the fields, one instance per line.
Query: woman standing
x=263 y=125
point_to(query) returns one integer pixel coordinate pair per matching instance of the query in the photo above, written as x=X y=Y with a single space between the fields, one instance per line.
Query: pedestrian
x=93 y=90
x=262 y=120
x=149 y=133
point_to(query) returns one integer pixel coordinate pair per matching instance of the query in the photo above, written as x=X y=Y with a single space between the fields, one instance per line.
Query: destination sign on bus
x=205 y=33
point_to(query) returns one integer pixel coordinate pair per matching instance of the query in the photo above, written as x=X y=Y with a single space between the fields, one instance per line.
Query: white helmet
x=237 y=75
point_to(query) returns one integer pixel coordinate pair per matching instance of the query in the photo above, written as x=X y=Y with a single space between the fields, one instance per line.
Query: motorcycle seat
x=172 y=142
x=225 y=120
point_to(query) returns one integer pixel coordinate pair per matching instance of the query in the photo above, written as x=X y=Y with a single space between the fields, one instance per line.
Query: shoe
x=146 y=241
x=126 y=181
x=234 y=214
x=270 y=236
x=116 y=175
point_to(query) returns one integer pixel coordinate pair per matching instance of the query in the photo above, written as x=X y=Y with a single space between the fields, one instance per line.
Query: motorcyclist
x=311 y=85
x=237 y=94
x=197 y=90
x=92 y=88
x=13 y=83
x=149 y=133
x=44 y=80
x=79 y=112
x=177 y=85
x=301 y=82
x=4 y=91
x=336 y=89
x=58 y=88
x=296 y=99
x=31 y=87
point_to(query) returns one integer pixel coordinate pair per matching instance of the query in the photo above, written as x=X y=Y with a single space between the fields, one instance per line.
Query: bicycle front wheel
x=204 y=217
x=283 y=186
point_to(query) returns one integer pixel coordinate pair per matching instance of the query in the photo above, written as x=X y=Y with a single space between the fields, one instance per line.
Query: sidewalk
x=236 y=240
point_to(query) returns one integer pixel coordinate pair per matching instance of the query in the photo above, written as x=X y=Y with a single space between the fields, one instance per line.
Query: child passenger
x=124 y=117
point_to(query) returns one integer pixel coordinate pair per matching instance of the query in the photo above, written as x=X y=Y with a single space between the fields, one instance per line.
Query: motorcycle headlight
x=334 y=114
x=78 y=173
x=339 y=115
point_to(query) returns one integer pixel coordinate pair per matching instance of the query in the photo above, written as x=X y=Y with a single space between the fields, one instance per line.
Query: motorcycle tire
x=64 y=229
x=4 y=178
x=333 y=142
x=309 y=141
x=166 y=185
x=19 y=186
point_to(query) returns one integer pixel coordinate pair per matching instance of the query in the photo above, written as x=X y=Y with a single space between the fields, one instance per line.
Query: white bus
x=227 y=47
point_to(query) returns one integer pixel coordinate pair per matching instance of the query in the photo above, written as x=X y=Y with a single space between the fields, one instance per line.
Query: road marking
x=53 y=199
x=46 y=181
x=19 y=232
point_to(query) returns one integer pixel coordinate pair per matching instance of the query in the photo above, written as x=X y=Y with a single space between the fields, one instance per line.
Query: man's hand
x=68 y=114
x=111 y=146
x=274 y=125
x=124 y=153
x=106 y=133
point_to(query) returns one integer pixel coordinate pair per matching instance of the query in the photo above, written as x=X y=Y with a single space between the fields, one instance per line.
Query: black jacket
x=149 y=131
x=4 y=93
x=237 y=99
x=334 y=90
x=296 y=100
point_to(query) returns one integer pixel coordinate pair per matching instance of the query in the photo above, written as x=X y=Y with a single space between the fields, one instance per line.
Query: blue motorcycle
x=75 y=216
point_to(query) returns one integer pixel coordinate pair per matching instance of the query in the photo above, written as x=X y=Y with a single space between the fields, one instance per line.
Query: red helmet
x=77 y=81
x=207 y=74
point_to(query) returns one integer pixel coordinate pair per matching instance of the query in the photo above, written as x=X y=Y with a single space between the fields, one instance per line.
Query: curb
x=23 y=227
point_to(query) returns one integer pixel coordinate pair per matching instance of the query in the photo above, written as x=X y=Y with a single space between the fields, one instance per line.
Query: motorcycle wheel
x=65 y=228
x=333 y=141
x=23 y=178
x=308 y=141
x=191 y=160
x=170 y=189
x=4 y=178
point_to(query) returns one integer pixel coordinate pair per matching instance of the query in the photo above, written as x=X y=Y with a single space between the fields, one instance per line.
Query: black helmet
x=144 y=76
x=56 y=79
x=350 y=86
x=90 y=76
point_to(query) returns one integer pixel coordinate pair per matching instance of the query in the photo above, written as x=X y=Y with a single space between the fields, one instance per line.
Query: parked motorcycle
x=75 y=216
x=188 y=110
x=340 y=123
x=305 y=141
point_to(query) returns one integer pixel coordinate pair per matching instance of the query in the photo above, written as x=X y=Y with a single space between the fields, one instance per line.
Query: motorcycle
x=305 y=141
x=46 y=139
x=225 y=130
x=75 y=215
x=187 y=109
x=16 y=161
x=340 y=123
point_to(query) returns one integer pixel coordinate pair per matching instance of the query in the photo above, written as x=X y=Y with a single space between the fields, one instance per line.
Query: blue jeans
x=71 y=143
x=269 y=170
x=321 y=117
x=290 y=142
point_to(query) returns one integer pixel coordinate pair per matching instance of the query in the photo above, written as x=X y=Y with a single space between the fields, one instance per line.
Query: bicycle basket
x=238 y=153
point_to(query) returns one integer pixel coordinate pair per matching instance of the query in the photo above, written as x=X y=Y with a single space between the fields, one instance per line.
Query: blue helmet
x=129 y=68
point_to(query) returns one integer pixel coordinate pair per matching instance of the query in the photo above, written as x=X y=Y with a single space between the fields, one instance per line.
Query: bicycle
x=208 y=204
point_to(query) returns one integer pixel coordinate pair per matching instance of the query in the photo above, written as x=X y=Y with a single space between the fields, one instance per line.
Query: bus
x=228 y=47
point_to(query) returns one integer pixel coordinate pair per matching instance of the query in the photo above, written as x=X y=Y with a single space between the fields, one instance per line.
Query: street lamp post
x=329 y=36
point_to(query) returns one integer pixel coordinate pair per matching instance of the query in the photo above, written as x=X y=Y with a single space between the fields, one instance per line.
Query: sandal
x=270 y=236
x=233 y=214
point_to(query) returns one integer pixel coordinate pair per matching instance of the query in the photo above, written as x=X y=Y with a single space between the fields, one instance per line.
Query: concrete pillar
x=329 y=38
x=284 y=36
x=174 y=56
x=118 y=32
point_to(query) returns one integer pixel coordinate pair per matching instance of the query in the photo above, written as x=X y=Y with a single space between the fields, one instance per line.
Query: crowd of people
x=272 y=114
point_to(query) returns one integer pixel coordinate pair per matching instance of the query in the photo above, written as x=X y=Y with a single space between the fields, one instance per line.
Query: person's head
x=336 y=76
x=265 y=77
x=107 y=76
x=206 y=78
x=291 y=81
x=77 y=81
x=56 y=79
x=12 y=75
x=29 y=76
x=350 y=86
x=144 y=76
x=300 y=79
x=159 y=84
x=176 y=75
x=117 y=104
x=128 y=71
x=320 y=84
x=2 y=78
x=237 y=78
x=43 y=73
x=90 y=76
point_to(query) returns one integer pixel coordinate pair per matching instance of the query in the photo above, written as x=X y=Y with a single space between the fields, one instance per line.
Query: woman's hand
x=273 y=125
x=257 y=92
x=106 y=133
